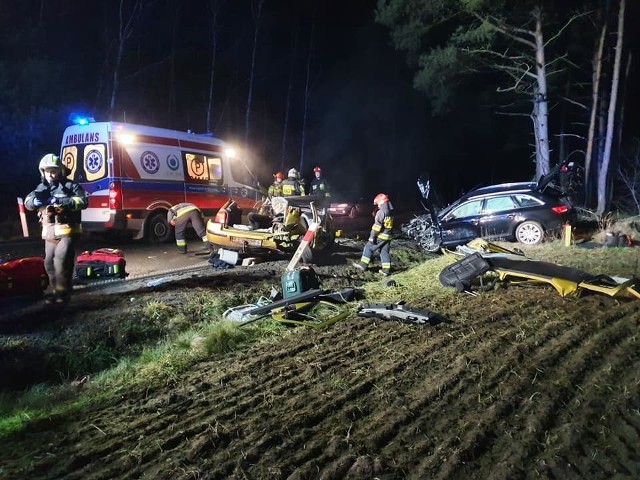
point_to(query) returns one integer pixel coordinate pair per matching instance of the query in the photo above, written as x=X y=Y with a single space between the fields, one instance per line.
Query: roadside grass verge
x=190 y=330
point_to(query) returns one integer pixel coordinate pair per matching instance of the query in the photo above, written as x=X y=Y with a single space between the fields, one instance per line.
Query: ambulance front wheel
x=158 y=230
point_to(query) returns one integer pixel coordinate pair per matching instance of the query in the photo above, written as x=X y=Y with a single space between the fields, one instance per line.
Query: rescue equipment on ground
x=299 y=280
x=24 y=276
x=103 y=263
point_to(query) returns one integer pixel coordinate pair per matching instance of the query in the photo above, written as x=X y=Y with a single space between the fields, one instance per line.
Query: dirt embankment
x=521 y=384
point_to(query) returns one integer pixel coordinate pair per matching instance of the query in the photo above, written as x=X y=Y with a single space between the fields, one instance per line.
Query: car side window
x=527 y=201
x=497 y=204
x=467 y=209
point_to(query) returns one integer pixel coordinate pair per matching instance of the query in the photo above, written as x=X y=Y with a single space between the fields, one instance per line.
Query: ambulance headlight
x=126 y=138
x=230 y=152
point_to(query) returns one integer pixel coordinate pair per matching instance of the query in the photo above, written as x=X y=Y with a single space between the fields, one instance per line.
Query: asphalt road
x=144 y=258
x=141 y=257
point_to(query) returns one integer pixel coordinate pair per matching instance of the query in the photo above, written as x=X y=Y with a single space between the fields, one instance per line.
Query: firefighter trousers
x=59 y=258
x=381 y=247
x=193 y=218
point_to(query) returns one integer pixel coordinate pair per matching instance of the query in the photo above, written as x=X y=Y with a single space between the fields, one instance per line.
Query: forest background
x=376 y=93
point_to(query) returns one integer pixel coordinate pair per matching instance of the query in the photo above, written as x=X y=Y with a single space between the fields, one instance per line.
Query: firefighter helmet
x=50 y=161
x=279 y=176
x=380 y=199
x=317 y=170
x=293 y=173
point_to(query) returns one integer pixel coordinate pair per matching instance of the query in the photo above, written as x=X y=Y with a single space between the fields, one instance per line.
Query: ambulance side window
x=215 y=170
x=196 y=167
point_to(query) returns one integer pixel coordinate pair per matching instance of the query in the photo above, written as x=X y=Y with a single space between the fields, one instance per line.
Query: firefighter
x=58 y=201
x=319 y=185
x=380 y=236
x=292 y=184
x=180 y=216
x=275 y=189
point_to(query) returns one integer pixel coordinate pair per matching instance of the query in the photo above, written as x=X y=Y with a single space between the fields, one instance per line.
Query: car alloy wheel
x=529 y=233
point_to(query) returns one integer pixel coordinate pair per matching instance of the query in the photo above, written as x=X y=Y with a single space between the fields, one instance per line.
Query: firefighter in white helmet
x=181 y=216
x=58 y=201
x=380 y=236
x=292 y=184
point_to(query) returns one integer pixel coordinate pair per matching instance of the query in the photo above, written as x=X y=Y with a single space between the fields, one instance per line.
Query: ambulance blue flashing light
x=79 y=120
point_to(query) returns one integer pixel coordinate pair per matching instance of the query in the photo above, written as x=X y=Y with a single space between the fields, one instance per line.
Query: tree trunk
x=541 y=120
x=214 y=8
x=257 y=11
x=597 y=72
x=603 y=174
x=285 y=127
x=306 y=93
x=172 y=100
x=124 y=32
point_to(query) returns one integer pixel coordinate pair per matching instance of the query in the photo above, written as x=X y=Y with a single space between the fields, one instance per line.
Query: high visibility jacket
x=382 y=228
x=180 y=209
x=275 y=189
x=292 y=186
x=61 y=205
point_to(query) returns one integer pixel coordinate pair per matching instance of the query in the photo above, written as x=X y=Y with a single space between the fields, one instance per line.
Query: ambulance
x=133 y=174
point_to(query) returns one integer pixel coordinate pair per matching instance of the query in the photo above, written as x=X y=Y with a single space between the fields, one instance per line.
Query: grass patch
x=172 y=337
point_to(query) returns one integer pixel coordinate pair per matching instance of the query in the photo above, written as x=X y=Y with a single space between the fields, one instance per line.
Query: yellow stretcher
x=513 y=266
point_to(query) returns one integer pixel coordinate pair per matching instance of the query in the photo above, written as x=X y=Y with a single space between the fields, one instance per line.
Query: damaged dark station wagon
x=525 y=212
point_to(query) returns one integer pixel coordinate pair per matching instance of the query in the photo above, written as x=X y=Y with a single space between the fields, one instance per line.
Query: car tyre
x=158 y=229
x=430 y=240
x=353 y=213
x=529 y=233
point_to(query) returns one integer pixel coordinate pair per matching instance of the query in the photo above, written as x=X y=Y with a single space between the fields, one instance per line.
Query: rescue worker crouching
x=181 y=216
x=292 y=186
x=380 y=236
x=58 y=201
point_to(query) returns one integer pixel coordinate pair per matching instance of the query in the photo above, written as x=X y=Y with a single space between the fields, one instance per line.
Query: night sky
x=365 y=124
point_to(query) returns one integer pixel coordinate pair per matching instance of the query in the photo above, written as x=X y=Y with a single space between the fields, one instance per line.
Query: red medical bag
x=24 y=276
x=103 y=263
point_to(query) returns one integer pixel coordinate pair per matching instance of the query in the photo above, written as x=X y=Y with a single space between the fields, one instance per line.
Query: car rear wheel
x=530 y=233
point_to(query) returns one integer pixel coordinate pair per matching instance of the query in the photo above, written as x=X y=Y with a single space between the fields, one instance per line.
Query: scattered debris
x=398 y=311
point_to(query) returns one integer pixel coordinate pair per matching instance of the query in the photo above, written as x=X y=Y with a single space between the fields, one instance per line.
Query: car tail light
x=560 y=209
x=115 y=196
x=221 y=217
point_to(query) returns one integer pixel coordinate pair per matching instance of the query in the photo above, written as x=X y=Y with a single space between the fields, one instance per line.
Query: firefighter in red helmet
x=380 y=236
x=275 y=189
x=319 y=185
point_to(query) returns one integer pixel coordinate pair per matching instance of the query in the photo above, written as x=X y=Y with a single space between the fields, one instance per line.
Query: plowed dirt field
x=520 y=384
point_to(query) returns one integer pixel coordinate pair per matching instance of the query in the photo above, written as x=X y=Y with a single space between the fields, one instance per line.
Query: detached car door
x=498 y=217
x=462 y=224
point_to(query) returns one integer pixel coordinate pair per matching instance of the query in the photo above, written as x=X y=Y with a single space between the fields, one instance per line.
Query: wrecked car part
x=398 y=311
x=508 y=267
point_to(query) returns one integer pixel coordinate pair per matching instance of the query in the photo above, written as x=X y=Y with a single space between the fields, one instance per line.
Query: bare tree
x=603 y=173
x=125 y=30
x=285 y=127
x=595 y=99
x=256 y=12
x=306 y=91
x=214 y=8
x=174 y=6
